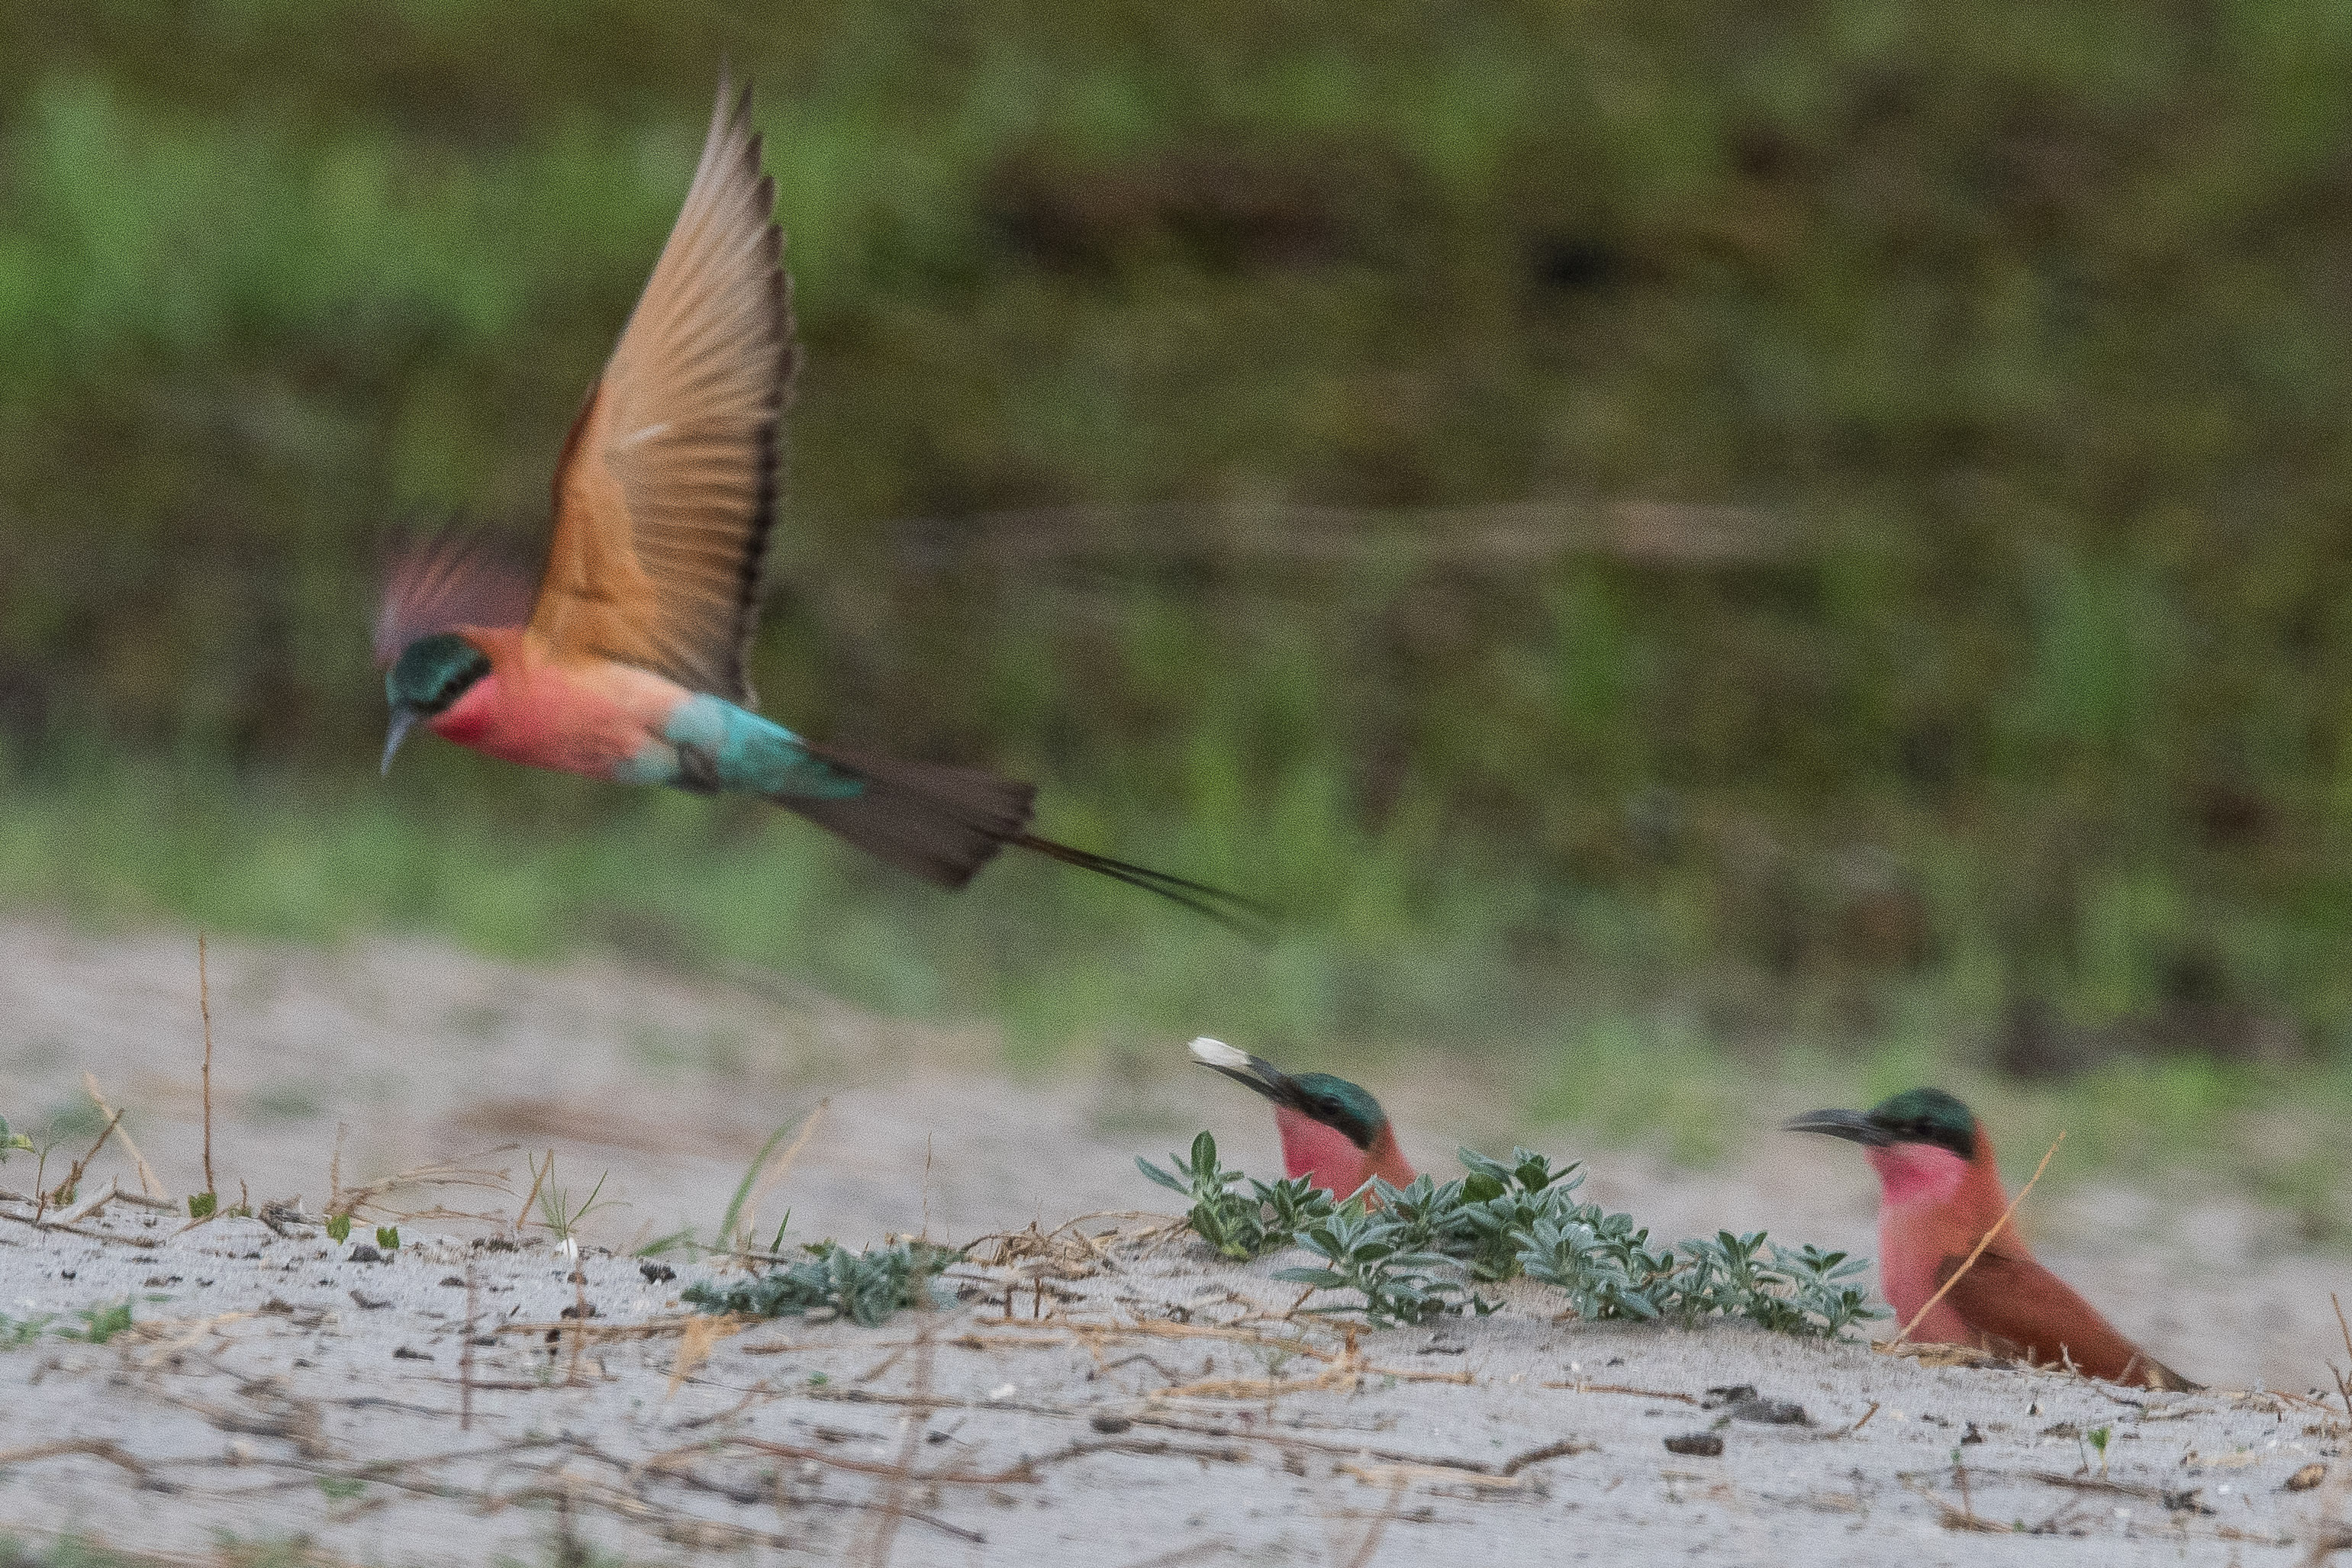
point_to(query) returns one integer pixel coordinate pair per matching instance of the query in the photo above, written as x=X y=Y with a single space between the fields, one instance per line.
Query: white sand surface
x=1148 y=1405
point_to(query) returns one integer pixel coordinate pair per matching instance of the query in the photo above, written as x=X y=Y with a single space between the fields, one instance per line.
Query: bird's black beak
x=1254 y=1070
x=404 y=719
x=1855 y=1126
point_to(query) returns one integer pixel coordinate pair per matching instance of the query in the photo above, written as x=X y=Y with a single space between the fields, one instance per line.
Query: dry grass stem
x=466 y=1352
x=149 y=1186
x=204 y=1007
x=702 y=1331
x=774 y=1170
x=59 y=1192
x=1376 y=1531
x=2342 y=1386
x=1982 y=1242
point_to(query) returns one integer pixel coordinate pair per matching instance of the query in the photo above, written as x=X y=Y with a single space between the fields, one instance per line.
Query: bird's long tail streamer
x=1230 y=909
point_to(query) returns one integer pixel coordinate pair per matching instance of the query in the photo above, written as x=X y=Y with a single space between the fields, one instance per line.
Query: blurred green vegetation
x=1811 y=525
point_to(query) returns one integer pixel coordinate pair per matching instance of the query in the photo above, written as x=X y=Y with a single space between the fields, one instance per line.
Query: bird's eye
x=1329 y=1105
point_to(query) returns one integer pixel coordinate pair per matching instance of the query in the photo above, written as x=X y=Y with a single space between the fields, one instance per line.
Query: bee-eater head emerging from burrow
x=1333 y=1132
x=1939 y=1194
x=628 y=658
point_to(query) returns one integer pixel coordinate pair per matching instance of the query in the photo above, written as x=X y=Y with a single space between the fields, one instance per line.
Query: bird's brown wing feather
x=2026 y=1310
x=666 y=487
x=441 y=582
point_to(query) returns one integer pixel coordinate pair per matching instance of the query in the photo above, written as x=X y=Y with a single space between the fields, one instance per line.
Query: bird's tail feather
x=940 y=822
x=944 y=824
x=1230 y=909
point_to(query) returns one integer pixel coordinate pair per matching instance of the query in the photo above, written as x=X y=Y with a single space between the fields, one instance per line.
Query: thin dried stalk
x=204 y=1007
x=148 y=1182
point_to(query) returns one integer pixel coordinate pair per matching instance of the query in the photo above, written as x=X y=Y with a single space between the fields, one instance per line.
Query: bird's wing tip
x=1217 y=1054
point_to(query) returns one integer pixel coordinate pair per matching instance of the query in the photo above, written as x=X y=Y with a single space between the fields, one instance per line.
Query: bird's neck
x=1323 y=1156
x=1922 y=1184
x=1918 y=1174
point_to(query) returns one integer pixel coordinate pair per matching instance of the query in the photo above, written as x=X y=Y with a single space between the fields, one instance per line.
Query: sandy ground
x=1147 y=1412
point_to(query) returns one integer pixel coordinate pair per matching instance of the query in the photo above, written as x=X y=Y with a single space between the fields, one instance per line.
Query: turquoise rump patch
x=720 y=747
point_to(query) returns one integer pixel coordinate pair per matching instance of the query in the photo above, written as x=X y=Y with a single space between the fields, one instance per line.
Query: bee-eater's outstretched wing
x=442 y=583
x=667 y=484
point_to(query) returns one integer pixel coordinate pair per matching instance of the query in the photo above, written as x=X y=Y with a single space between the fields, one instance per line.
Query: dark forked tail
x=944 y=824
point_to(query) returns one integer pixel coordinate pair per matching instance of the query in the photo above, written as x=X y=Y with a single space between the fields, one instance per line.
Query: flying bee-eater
x=628 y=661
x=1939 y=1194
x=1333 y=1132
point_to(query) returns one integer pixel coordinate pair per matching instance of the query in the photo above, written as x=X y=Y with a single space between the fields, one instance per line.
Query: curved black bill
x=404 y=719
x=1853 y=1125
x=1255 y=1071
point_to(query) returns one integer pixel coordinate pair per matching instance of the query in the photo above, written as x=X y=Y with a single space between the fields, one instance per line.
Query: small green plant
x=203 y=1205
x=341 y=1488
x=11 y=1140
x=1394 y=1248
x=1371 y=1254
x=676 y=1241
x=1222 y=1218
x=98 y=1324
x=339 y=1228
x=557 y=1212
x=864 y=1287
x=1265 y=1219
x=18 y=1332
x=2099 y=1436
x=388 y=1235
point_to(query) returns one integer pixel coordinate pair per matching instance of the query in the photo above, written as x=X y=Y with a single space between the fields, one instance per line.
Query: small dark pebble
x=1769 y=1412
x=576 y=1313
x=404 y=1353
x=364 y=1253
x=65 y=1273
x=938 y=1437
x=486 y=1339
x=2062 y=1429
x=2186 y=1501
x=1110 y=1423
x=496 y=1244
x=656 y=1273
x=156 y=1282
x=1697 y=1445
x=279 y=1306
x=1972 y=1435
x=1728 y=1394
x=452 y=1280
x=370 y=1303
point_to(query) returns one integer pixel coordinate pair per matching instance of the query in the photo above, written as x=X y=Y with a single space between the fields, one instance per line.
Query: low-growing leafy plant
x=1371 y=1253
x=18 y=1332
x=339 y=1228
x=98 y=1324
x=1393 y=1247
x=10 y=1142
x=864 y=1287
x=387 y=1237
x=1229 y=1221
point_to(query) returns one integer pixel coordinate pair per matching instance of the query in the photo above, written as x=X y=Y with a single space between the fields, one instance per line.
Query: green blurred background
x=1809 y=535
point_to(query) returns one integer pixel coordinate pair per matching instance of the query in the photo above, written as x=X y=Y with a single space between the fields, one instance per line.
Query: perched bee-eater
x=628 y=661
x=1939 y=1193
x=1333 y=1132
